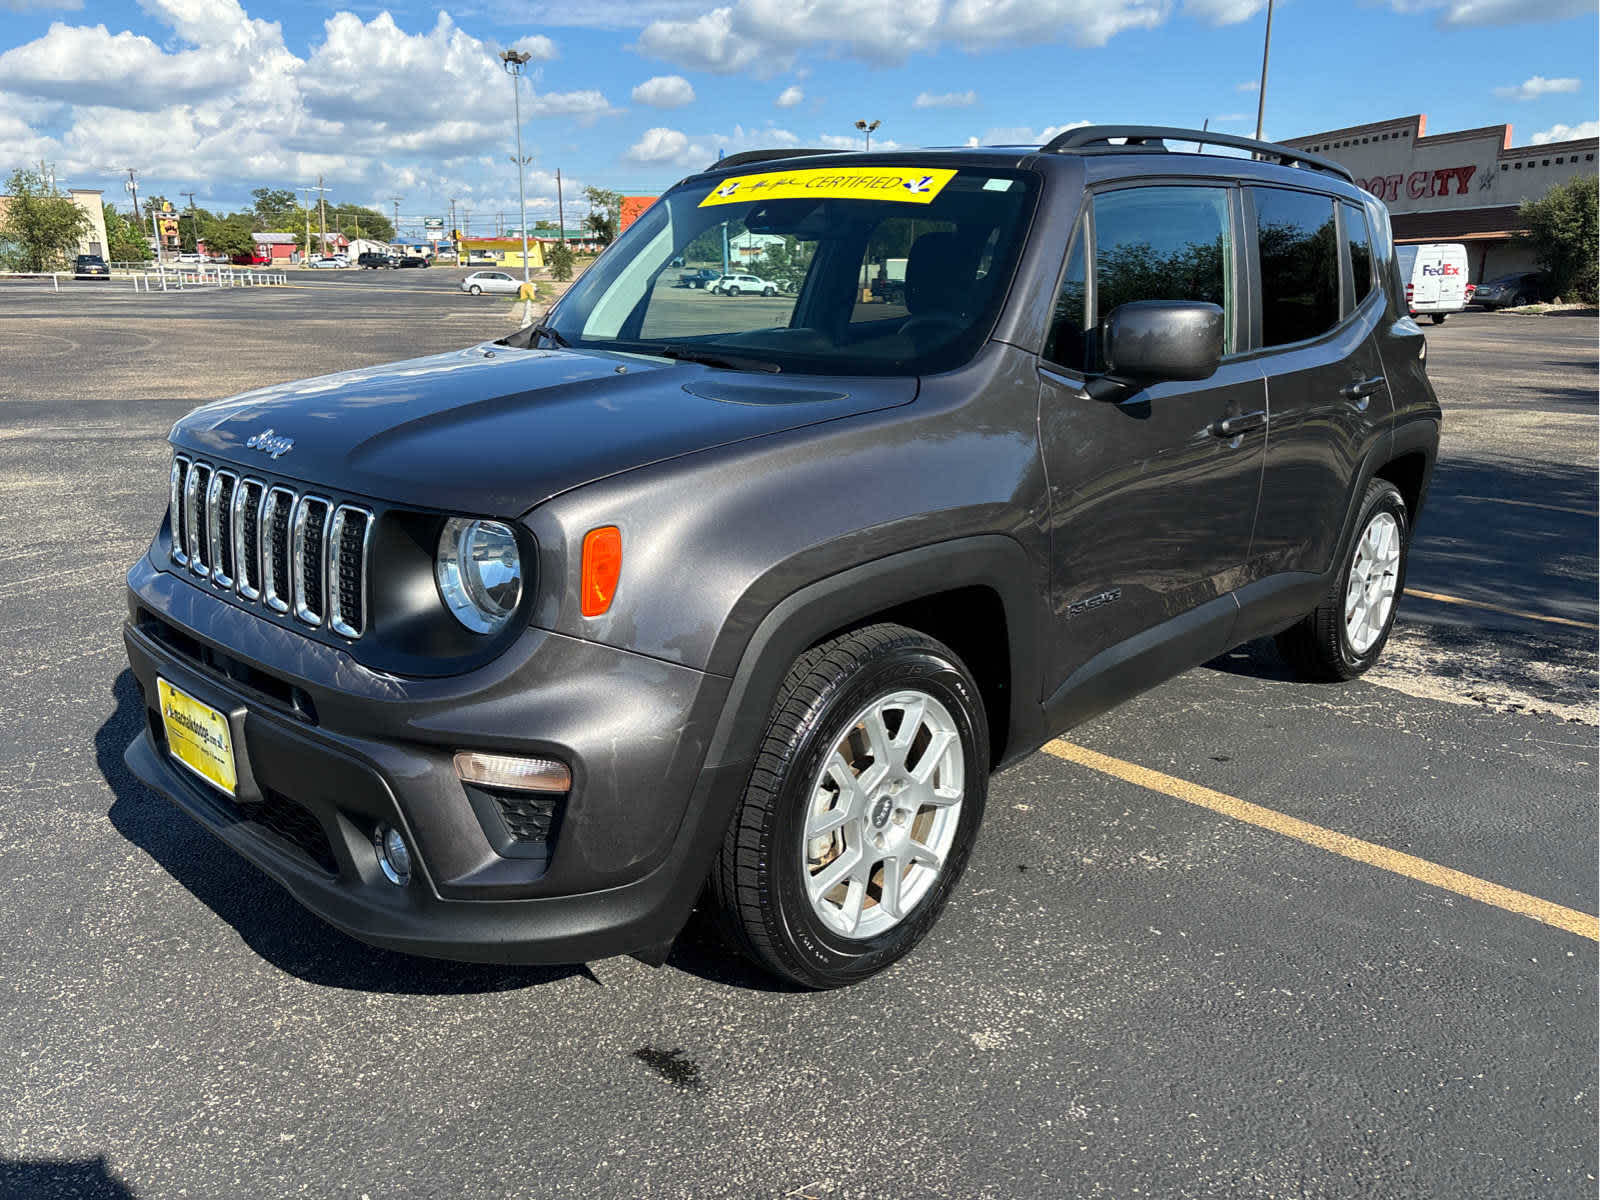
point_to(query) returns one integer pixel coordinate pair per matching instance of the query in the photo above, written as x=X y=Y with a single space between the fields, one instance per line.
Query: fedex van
x=1435 y=277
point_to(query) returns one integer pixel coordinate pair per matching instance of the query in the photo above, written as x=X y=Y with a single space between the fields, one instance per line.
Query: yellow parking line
x=1420 y=869
x=1512 y=612
x=1582 y=512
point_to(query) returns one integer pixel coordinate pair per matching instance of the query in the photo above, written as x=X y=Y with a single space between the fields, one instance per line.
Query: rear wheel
x=1438 y=318
x=732 y=291
x=861 y=810
x=1344 y=635
x=771 y=291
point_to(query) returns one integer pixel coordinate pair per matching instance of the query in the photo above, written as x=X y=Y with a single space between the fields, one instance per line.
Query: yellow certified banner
x=905 y=186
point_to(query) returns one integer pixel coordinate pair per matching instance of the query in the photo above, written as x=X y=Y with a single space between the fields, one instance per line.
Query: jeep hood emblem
x=271 y=443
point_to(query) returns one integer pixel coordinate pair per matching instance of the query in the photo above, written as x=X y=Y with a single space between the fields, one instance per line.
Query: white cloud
x=1023 y=135
x=790 y=96
x=19 y=6
x=540 y=47
x=845 y=141
x=1566 y=133
x=664 y=91
x=1223 y=12
x=1248 y=85
x=706 y=43
x=945 y=99
x=672 y=147
x=1458 y=14
x=1537 y=86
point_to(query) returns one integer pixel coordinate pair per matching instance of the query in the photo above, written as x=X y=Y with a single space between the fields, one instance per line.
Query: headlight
x=480 y=572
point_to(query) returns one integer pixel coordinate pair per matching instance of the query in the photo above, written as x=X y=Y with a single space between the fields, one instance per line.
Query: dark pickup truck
x=702 y=277
x=515 y=653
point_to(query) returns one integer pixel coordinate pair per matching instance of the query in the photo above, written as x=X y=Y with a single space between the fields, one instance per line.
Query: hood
x=495 y=430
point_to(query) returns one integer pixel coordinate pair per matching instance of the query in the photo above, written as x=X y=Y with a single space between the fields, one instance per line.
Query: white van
x=1436 y=278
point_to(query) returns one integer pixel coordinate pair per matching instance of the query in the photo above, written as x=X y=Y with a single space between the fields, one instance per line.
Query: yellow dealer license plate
x=198 y=737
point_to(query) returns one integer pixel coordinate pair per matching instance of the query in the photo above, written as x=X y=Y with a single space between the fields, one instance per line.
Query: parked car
x=191 y=259
x=518 y=652
x=739 y=285
x=328 y=260
x=1435 y=276
x=412 y=260
x=251 y=260
x=1509 y=291
x=480 y=282
x=90 y=266
x=700 y=277
x=374 y=260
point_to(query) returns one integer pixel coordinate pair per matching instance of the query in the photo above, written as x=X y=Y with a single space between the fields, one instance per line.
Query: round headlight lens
x=480 y=572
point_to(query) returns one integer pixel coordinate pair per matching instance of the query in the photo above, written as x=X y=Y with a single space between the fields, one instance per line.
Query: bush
x=559 y=261
x=1561 y=225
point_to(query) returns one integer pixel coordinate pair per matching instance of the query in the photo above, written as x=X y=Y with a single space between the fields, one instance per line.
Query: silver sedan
x=480 y=282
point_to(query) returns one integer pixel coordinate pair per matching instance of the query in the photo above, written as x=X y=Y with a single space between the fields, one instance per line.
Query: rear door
x=1452 y=276
x=1320 y=304
x=1150 y=503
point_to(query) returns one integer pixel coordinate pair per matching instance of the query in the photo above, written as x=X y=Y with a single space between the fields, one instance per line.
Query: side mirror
x=1150 y=341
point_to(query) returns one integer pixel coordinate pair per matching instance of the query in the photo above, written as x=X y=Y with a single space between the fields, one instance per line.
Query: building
x=1455 y=187
x=503 y=252
x=90 y=201
x=633 y=207
x=278 y=248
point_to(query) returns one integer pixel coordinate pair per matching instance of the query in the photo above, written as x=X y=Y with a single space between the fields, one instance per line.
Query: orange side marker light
x=602 y=566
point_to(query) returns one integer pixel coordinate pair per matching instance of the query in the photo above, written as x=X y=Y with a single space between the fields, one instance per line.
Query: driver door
x=1152 y=497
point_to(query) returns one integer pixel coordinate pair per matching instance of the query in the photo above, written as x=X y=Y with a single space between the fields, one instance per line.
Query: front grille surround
x=295 y=553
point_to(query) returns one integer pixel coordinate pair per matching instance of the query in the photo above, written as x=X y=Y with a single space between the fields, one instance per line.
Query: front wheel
x=1438 y=318
x=1344 y=635
x=861 y=811
x=475 y=290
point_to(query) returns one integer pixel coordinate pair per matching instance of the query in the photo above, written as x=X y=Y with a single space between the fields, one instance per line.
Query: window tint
x=1163 y=243
x=1065 y=344
x=1299 y=265
x=1355 y=227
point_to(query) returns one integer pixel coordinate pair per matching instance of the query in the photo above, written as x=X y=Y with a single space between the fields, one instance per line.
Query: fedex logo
x=1441 y=269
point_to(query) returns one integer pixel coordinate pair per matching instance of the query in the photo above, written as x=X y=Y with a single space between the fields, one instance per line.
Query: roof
x=276 y=239
x=1457 y=225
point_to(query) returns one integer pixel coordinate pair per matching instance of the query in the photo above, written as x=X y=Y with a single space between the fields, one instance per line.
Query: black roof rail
x=746 y=157
x=1096 y=139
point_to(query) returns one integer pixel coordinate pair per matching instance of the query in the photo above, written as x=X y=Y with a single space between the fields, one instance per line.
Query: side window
x=1355 y=226
x=1163 y=243
x=1065 y=344
x=1299 y=265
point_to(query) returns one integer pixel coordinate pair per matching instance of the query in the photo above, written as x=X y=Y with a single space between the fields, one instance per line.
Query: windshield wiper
x=713 y=358
x=544 y=331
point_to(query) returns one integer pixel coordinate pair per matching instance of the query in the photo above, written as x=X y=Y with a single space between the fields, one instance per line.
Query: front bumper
x=327 y=750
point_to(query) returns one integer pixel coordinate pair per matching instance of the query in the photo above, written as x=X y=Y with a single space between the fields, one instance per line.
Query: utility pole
x=396 y=200
x=305 y=207
x=322 y=213
x=454 y=229
x=194 y=222
x=561 y=220
x=1261 y=95
x=133 y=190
x=514 y=61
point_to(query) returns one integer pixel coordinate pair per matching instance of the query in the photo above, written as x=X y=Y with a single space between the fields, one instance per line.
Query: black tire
x=475 y=290
x=756 y=881
x=1438 y=318
x=770 y=292
x=1317 y=646
x=732 y=291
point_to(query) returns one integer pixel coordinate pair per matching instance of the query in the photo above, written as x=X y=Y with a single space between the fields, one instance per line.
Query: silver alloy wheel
x=883 y=814
x=1374 y=575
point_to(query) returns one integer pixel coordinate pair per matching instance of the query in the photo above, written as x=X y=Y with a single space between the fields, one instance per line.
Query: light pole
x=867 y=129
x=1261 y=95
x=514 y=61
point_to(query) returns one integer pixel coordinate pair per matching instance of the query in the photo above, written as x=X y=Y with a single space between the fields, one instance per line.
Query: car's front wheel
x=861 y=811
x=475 y=290
x=1344 y=635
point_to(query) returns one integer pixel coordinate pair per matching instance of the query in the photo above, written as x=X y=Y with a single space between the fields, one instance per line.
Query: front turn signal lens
x=602 y=567
x=512 y=773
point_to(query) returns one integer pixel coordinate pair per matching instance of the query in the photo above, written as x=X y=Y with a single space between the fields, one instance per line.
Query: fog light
x=512 y=773
x=393 y=857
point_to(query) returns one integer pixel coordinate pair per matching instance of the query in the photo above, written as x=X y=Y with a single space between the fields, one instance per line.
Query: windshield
x=865 y=270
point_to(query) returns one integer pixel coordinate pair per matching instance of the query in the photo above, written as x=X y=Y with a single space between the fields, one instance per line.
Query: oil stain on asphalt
x=671 y=1065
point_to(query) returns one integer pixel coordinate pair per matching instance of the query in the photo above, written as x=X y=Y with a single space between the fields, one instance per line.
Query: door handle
x=1361 y=388
x=1230 y=427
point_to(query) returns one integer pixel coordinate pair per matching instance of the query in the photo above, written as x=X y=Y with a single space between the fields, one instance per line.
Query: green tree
x=124 y=243
x=354 y=220
x=605 y=208
x=232 y=236
x=40 y=226
x=272 y=203
x=1561 y=224
x=192 y=224
x=559 y=259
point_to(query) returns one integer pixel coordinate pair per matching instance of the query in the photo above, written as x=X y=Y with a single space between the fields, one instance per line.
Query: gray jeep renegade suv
x=514 y=653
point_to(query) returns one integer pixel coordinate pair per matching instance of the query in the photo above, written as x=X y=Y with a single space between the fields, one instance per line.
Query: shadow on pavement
x=263 y=914
x=88 y=1179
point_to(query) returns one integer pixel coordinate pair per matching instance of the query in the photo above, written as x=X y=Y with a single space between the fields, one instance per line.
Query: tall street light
x=514 y=61
x=867 y=130
x=1261 y=95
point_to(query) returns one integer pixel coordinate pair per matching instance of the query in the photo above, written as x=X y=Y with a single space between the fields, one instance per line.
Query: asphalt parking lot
x=1144 y=985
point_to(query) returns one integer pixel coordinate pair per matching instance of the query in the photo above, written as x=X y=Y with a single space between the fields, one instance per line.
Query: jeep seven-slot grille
x=268 y=543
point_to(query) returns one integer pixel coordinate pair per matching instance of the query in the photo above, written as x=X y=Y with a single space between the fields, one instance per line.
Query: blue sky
x=218 y=96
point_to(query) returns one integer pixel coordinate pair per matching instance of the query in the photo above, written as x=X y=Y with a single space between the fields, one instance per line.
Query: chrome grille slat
x=296 y=553
x=246 y=532
x=219 y=533
x=349 y=540
x=310 y=559
x=194 y=522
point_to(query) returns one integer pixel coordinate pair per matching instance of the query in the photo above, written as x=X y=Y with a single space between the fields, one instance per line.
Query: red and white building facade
x=1455 y=187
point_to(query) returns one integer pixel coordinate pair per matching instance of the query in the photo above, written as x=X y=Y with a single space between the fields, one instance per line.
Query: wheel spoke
x=893 y=870
x=910 y=722
x=824 y=823
x=877 y=737
x=925 y=855
x=850 y=910
x=932 y=754
x=840 y=868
